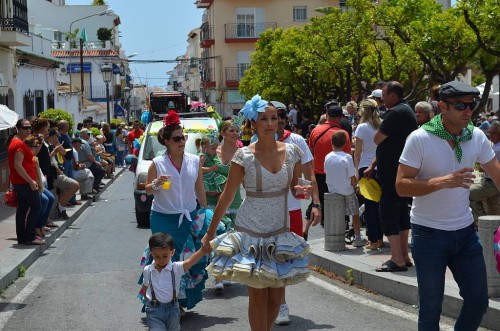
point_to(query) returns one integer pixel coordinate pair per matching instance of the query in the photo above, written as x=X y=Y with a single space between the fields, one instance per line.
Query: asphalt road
x=88 y=281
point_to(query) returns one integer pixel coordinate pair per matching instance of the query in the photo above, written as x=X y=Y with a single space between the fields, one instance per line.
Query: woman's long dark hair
x=19 y=124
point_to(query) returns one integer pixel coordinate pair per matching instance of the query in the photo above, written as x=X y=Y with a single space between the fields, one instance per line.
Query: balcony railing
x=234 y=74
x=247 y=30
x=99 y=92
x=17 y=19
x=206 y=36
x=207 y=75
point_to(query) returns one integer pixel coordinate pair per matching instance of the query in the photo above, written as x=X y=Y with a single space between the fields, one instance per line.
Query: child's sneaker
x=358 y=243
x=218 y=287
x=283 y=318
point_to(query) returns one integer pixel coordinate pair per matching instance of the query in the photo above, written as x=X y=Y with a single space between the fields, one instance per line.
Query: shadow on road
x=194 y=321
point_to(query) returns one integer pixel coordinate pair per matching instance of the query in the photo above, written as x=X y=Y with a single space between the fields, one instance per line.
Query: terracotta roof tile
x=86 y=53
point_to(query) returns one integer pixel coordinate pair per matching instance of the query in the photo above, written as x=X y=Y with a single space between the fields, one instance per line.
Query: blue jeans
x=433 y=250
x=47 y=200
x=27 y=213
x=164 y=317
x=120 y=158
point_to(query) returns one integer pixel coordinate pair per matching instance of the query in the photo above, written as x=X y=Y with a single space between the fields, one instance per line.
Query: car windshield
x=193 y=127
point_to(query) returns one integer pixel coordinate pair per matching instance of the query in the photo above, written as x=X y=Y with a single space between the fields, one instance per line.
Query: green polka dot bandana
x=435 y=126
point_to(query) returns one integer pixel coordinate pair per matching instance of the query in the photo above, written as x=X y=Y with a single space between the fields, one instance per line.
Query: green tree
x=57 y=115
x=98 y=3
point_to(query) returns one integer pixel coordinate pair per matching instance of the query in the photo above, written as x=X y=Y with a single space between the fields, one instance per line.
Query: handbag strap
x=322 y=134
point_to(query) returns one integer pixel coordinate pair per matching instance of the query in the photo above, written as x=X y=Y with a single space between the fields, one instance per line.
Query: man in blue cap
x=436 y=169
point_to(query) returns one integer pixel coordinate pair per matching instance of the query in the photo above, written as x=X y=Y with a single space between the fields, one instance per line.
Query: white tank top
x=181 y=197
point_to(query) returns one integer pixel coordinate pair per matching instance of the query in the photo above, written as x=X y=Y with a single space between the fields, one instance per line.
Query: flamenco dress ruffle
x=260 y=262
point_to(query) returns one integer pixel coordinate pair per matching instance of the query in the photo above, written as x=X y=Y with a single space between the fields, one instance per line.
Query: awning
x=8 y=118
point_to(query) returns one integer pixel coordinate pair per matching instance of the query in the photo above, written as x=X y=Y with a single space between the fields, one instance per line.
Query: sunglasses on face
x=177 y=139
x=26 y=127
x=461 y=105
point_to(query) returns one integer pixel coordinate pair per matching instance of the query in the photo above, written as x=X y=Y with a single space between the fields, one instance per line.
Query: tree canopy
x=344 y=53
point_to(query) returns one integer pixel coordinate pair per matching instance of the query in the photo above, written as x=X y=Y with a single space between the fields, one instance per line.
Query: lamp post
x=108 y=11
x=126 y=96
x=107 y=73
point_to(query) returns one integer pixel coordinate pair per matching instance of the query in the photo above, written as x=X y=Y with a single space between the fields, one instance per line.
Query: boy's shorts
x=351 y=204
x=164 y=317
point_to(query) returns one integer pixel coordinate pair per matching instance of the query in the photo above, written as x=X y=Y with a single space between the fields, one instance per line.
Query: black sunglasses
x=26 y=127
x=177 y=139
x=461 y=105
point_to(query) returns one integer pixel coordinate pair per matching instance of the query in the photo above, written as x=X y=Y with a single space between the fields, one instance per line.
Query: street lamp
x=126 y=96
x=108 y=11
x=107 y=73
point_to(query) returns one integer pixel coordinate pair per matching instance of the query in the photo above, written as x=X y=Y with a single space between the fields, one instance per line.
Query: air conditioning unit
x=63 y=70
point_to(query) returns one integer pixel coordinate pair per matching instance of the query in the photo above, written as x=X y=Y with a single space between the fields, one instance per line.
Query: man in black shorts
x=399 y=122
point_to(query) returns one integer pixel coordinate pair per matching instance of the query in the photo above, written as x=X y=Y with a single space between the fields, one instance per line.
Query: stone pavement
x=401 y=286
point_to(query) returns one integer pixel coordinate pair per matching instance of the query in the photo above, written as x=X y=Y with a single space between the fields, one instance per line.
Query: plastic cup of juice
x=299 y=192
x=166 y=185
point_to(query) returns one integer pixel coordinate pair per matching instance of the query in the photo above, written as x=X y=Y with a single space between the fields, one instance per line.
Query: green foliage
x=57 y=115
x=104 y=34
x=95 y=131
x=98 y=3
x=117 y=121
x=21 y=270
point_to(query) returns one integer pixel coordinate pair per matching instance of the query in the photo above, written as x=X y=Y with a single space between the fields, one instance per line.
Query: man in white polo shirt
x=436 y=169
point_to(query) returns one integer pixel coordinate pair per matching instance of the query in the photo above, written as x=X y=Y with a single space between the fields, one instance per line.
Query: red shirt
x=323 y=145
x=17 y=145
x=132 y=135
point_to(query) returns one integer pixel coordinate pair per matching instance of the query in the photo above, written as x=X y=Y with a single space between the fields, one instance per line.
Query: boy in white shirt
x=162 y=281
x=341 y=179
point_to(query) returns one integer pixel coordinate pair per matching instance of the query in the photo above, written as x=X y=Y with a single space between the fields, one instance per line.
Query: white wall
x=32 y=78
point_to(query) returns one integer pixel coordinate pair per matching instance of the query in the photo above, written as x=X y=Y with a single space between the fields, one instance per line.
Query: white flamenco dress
x=261 y=251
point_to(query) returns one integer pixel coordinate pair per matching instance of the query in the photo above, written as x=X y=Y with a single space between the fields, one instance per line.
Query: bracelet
x=316 y=205
x=153 y=186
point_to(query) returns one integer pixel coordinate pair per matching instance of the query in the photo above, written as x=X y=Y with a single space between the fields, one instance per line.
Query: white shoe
x=227 y=282
x=219 y=287
x=283 y=318
x=358 y=243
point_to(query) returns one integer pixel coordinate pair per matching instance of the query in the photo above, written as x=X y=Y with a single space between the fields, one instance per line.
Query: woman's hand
x=33 y=185
x=205 y=241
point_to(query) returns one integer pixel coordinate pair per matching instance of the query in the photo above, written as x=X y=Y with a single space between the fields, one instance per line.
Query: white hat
x=376 y=94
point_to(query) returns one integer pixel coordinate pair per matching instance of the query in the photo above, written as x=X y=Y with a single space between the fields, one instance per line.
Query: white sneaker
x=283 y=318
x=219 y=287
x=358 y=243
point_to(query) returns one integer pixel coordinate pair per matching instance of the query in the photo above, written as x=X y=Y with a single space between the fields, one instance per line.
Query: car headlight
x=140 y=183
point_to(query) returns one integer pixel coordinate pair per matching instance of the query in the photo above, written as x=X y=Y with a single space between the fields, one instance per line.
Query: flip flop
x=390 y=266
x=409 y=264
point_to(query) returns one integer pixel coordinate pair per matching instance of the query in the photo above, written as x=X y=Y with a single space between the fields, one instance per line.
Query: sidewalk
x=12 y=255
x=400 y=286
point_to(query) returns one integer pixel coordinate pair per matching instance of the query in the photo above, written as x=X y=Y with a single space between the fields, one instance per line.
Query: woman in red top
x=22 y=169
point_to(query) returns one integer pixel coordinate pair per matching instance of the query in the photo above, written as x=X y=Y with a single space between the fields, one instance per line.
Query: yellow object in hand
x=166 y=185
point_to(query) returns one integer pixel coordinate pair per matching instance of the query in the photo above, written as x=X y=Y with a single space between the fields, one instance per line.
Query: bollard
x=334 y=222
x=487 y=227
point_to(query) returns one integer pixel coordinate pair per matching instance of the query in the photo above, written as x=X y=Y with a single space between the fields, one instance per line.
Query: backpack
x=496 y=247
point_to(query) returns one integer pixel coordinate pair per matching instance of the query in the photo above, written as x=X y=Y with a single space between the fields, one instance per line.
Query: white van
x=150 y=148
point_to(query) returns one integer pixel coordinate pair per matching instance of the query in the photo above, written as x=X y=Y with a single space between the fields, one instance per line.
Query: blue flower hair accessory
x=253 y=107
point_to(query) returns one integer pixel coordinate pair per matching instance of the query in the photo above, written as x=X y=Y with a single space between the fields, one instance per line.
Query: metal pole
x=107 y=104
x=81 y=69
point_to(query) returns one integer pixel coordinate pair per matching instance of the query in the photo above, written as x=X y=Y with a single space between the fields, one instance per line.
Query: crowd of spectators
x=48 y=167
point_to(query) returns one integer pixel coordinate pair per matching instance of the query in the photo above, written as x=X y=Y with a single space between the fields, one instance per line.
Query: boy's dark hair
x=338 y=139
x=161 y=240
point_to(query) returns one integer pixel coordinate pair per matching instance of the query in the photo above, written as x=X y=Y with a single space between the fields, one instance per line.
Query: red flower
x=172 y=119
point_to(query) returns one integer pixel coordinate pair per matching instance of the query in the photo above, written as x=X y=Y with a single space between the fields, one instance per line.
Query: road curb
x=396 y=286
x=25 y=255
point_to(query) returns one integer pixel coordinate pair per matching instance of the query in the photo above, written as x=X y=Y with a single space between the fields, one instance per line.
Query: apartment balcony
x=246 y=32
x=206 y=36
x=89 y=45
x=234 y=75
x=14 y=24
x=208 y=77
x=203 y=3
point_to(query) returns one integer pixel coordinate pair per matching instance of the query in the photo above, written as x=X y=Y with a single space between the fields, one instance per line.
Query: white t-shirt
x=339 y=168
x=162 y=281
x=293 y=203
x=366 y=132
x=293 y=115
x=446 y=209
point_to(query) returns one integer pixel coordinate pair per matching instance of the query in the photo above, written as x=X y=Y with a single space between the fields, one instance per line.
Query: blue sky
x=156 y=29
